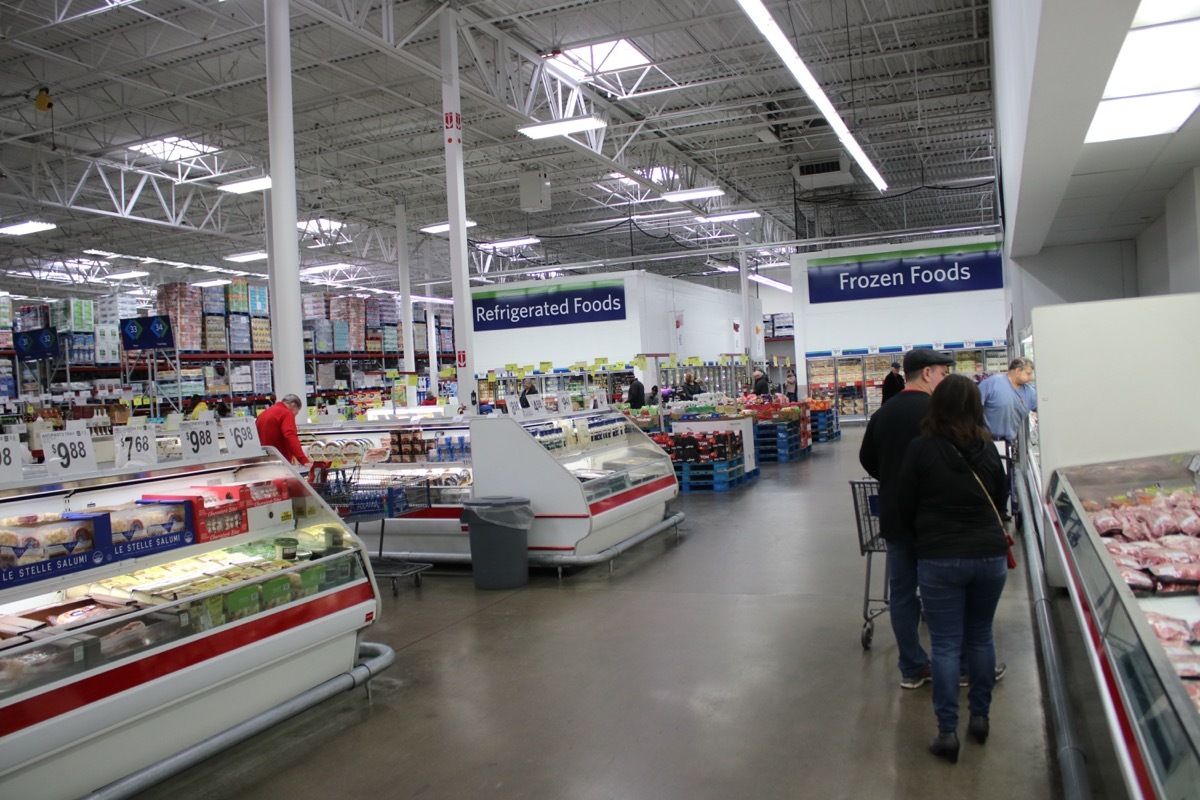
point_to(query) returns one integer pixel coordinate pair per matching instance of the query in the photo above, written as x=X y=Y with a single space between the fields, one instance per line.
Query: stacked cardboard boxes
x=260 y=334
x=183 y=304
x=314 y=306
x=213 y=299
x=353 y=312
x=260 y=305
x=241 y=379
x=108 y=343
x=237 y=297
x=261 y=375
x=73 y=316
x=112 y=308
x=215 y=339
x=31 y=318
x=239 y=333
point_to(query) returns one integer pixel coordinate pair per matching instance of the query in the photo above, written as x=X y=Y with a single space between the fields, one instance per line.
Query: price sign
x=68 y=453
x=135 y=446
x=564 y=402
x=241 y=437
x=10 y=457
x=198 y=440
x=536 y=406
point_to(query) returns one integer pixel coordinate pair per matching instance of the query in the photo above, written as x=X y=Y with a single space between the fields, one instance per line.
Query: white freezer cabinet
x=142 y=612
x=1150 y=686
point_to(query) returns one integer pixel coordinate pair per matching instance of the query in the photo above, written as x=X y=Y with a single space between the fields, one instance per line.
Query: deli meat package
x=1184 y=659
x=1169 y=629
x=1138 y=581
x=1177 y=573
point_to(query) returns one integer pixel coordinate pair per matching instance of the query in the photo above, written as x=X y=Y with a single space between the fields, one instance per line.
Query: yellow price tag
x=510 y=367
x=491 y=376
x=640 y=362
x=723 y=360
x=520 y=373
x=546 y=366
x=672 y=362
x=393 y=373
x=601 y=361
x=694 y=361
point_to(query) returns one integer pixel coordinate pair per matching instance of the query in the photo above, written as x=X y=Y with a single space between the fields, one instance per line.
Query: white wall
x=1183 y=233
x=1153 y=264
x=1071 y=274
x=775 y=301
x=708 y=316
x=1015 y=26
x=920 y=319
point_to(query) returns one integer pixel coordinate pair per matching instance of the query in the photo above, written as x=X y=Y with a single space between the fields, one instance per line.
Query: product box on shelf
x=263 y=377
x=108 y=344
x=72 y=315
x=237 y=297
x=6 y=315
x=215 y=338
x=260 y=305
x=39 y=547
x=239 y=333
x=213 y=300
x=31 y=317
x=112 y=308
x=6 y=339
x=371 y=309
x=147 y=527
x=314 y=306
x=213 y=518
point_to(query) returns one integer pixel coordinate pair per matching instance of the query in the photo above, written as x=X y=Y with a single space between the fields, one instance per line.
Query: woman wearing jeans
x=950 y=484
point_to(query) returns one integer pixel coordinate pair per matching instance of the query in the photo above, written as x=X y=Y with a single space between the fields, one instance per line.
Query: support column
x=747 y=323
x=431 y=343
x=456 y=206
x=407 y=343
x=284 y=264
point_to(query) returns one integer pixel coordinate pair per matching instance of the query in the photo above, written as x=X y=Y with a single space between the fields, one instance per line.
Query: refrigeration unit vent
x=820 y=174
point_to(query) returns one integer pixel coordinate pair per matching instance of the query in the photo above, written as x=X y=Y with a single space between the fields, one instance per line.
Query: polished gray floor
x=722 y=663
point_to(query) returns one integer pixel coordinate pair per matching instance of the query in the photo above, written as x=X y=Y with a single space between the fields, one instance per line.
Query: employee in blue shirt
x=1008 y=399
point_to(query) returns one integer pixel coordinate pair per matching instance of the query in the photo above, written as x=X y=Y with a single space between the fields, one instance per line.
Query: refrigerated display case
x=851 y=396
x=821 y=382
x=144 y=611
x=594 y=478
x=1137 y=623
x=877 y=368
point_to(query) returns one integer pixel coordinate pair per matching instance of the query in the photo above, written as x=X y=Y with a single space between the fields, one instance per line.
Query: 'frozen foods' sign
x=532 y=307
x=933 y=270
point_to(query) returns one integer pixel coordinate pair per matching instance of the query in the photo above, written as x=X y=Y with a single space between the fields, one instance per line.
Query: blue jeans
x=960 y=596
x=903 y=606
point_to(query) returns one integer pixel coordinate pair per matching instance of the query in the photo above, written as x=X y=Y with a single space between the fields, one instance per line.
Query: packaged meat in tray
x=1167 y=628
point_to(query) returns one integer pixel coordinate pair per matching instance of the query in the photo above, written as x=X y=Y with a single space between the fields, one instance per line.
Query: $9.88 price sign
x=241 y=437
x=198 y=440
x=68 y=453
x=136 y=447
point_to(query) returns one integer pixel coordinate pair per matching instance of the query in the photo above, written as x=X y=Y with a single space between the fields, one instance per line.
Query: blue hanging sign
x=36 y=345
x=147 y=333
x=934 y=270
x=533 y=307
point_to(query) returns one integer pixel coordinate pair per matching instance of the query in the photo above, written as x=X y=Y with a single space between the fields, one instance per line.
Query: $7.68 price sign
x=241 y=437
x=68 y=453
x=198 y=440
x=10 y=457
x=136 y=447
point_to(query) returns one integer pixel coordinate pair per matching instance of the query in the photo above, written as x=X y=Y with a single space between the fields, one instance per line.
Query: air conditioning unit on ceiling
x=822 y=174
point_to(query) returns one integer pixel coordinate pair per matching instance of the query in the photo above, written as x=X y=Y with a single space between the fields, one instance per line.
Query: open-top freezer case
x=143 y=612
x=1140 y=658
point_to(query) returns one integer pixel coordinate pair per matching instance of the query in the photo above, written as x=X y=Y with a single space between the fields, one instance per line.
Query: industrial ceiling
x=713 y=105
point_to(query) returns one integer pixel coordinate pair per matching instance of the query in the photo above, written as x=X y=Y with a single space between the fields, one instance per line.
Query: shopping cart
x=357 y=501
x=866 y=514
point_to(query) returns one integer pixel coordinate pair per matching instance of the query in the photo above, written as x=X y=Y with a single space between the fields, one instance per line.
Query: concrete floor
x=724 y=663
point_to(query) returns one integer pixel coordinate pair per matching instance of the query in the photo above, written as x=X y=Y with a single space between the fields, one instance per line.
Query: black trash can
x=499 y=533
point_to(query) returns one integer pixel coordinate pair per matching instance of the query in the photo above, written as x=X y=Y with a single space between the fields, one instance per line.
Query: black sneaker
x=1001 y=668
x=917 y=681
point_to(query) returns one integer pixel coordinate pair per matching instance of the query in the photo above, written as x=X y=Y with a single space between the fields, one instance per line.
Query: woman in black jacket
x=950 y=484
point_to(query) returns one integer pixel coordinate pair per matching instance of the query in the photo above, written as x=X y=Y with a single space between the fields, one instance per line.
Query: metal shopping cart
x=357 y=501
x=866 y=514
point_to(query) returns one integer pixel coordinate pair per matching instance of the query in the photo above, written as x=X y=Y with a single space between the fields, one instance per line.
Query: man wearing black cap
x=893 y=384
x=888 y=433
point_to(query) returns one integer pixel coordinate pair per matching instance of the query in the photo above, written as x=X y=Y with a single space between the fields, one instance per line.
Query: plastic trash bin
x=499 y=533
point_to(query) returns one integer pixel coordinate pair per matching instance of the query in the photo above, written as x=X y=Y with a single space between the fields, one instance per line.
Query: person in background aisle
x=527 y=389
x=653 y=399
x=888 y=434
x=893 y=384
x=636 y=396
x=277 y=428
x=762 y=386
x=691 y=387
x=790 y=388
x=198 y=407
x=223 y=411
x=949 y=487
x=1007 y=400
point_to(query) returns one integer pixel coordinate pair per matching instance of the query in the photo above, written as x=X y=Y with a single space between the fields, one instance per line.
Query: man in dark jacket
x=636 y=394
x=762 y=386
x=527 y=389
x=888 y=434
x=893 y=384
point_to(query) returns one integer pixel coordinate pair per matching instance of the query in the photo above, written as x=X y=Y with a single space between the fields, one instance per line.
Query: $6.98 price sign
x=68 y=453
x=199 y=440
x=241 y=437
x=136 y=447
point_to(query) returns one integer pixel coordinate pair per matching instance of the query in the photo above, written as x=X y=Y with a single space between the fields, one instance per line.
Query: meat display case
x=1153 y=720
x=593 y=477
x=177 y=605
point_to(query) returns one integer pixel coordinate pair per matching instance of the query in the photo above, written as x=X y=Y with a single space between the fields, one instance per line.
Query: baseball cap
x=895 y=365
x=915 y=360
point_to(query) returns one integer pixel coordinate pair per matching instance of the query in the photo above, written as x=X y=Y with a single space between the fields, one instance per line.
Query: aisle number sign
x=241 y=437
x=135 y=447
x=198 y=440
x=10 y=457
x=68 y=453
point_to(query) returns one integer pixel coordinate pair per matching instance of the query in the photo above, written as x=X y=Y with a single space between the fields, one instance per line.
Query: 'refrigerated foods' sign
x=933 y=270
x=536 y=306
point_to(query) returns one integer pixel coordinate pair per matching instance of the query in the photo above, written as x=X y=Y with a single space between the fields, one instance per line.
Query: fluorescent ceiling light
x=582 y=63
x=320 y=225
x=775 y=36
x=684 y=195
x=242 y=258
x=1158 y=59
x=420 y=298
x=173 y=148
x=1149 y=115
x=213 y=282
x=654 y=174
x=444 y=227
x=104 y=253
x=732 y=216
x=726 y=268
x=22 y=228
x=82 y=263
x=123 y=276
x=1156 y=12
x=561 y=127
x=774 y=264
x=319 y=268
x=246 y=186
x=765 y=281
x=481 y=279
x=509 y=243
